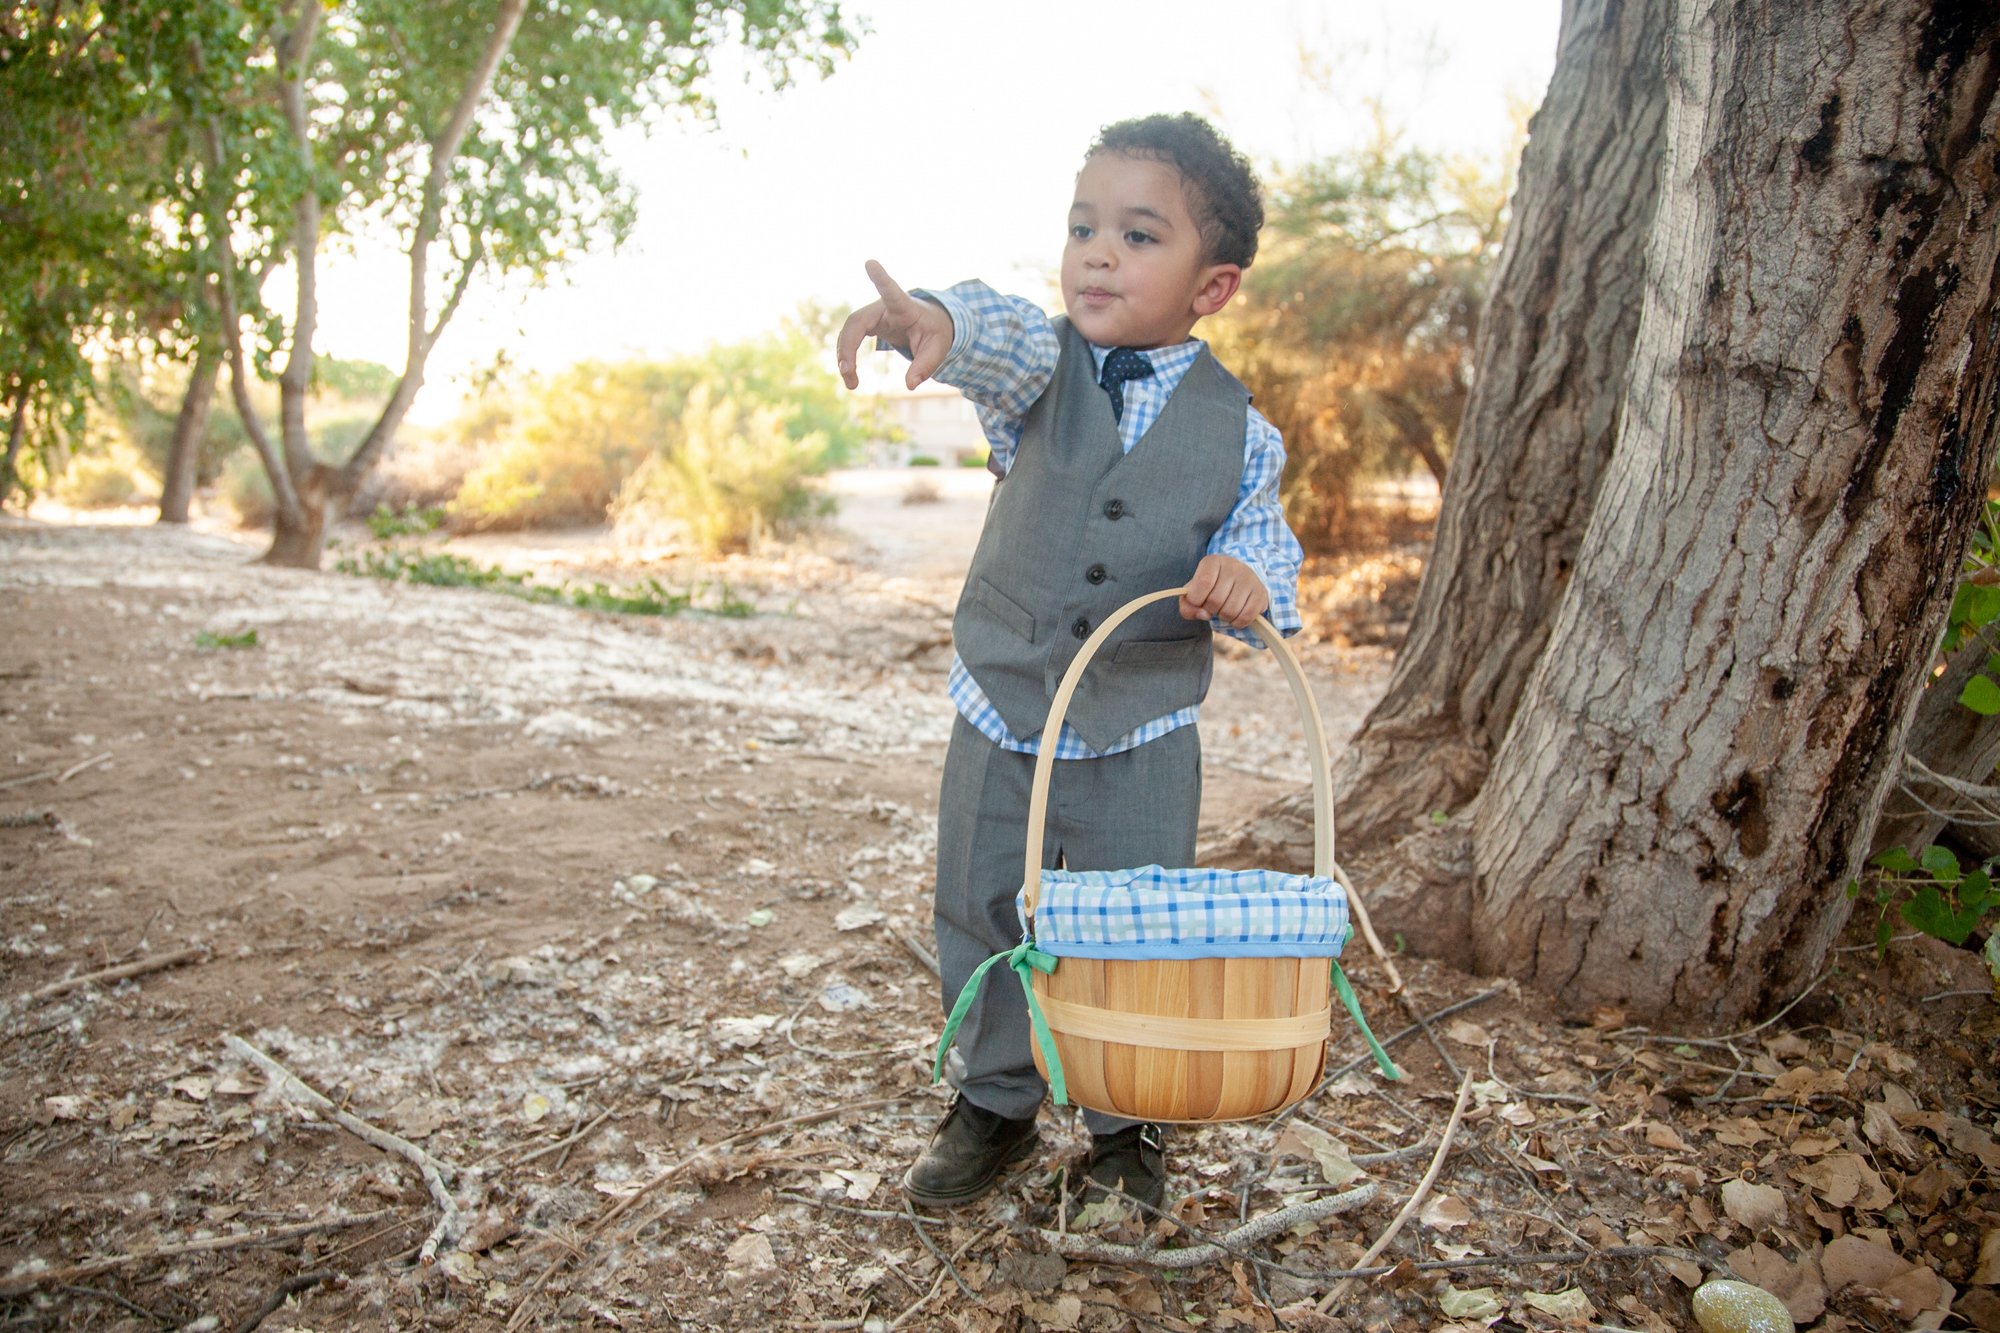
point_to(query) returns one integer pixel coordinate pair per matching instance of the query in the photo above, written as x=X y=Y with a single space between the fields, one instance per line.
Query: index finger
x=893 y=296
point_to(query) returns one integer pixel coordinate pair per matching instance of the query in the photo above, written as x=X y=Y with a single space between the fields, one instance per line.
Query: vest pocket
x=1006 y=610
x=1163 y=651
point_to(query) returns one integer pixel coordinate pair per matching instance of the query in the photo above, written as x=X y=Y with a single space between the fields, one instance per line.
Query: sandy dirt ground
x=595 y=934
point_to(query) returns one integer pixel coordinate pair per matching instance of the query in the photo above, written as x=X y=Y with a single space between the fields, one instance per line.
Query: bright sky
x=946 y=148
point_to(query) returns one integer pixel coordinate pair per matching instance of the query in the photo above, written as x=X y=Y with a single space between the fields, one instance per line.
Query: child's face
x=1132 y=271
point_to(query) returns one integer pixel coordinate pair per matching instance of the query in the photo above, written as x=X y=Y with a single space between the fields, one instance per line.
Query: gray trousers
x=1136 y=808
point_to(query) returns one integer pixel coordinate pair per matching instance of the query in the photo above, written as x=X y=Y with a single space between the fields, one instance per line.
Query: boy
x=1130 y=461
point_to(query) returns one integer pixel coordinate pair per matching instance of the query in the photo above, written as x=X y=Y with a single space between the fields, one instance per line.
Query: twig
x=565 y=1144
x=1950 y=995
x=916 y=950
x=153 y=963
x=1416 y=1200
x=287 y=1289
x=17 y=1283
x=103 y=1295
x=786 y=1196
x=534 y=1287
x=1075 y=1246
x=38 y=775
x=910 y=1215
x=1334 y=1076
x=791 y=1036
x=1527 y=1261
x=434 y=1172
x=1359 y=910
x=75 y=769
x=1645 y=1034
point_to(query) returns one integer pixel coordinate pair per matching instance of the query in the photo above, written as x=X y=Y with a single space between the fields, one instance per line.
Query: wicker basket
x=1199 y=1039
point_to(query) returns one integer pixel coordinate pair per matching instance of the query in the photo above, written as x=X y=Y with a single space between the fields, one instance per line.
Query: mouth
x=1096 y=296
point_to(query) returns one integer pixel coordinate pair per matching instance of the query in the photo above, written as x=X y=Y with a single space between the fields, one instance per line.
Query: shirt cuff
x=961 y=325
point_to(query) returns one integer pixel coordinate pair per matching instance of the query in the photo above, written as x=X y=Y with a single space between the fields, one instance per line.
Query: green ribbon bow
x=1347 y=997
x=1026 y=960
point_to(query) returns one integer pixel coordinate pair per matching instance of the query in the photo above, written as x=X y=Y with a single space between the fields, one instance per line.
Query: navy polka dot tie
x=1122 y=364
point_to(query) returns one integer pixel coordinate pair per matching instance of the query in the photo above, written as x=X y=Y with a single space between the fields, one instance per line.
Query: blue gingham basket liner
x=1153 y=912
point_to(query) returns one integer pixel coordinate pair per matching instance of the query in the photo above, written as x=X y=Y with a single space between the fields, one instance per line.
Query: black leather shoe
x=1131 y=1162
x=968 y=1152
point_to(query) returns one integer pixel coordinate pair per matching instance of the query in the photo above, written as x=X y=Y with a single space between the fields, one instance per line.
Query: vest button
x=1096 y=573
x=1114 y=510
x=1081 y=628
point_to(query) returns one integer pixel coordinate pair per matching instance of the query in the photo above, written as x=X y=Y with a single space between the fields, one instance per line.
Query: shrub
x=247 y=491
x=730 y=474
x=101 y=481
x=575 y=440
x=922 y=460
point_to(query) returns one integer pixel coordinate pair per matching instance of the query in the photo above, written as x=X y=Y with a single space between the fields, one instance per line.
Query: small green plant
x=409 y=521
x=973 y=460
x=1932 y=892
x=437 y=569
x=209 y=640
x=922 y=460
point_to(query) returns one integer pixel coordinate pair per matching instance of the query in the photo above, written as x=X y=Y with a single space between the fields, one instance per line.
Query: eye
x=1080 y=231
x=1137 y=237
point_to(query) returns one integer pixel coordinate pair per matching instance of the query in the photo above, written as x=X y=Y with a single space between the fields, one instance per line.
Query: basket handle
x=1038 y=798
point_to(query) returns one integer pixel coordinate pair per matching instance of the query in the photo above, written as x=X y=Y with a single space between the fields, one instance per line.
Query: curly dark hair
x=1223 y=193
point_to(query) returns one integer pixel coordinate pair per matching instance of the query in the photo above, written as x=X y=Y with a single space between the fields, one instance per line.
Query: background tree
x=476 y=138
x=1697 y=755
x=1356 y=324
x=88 y=149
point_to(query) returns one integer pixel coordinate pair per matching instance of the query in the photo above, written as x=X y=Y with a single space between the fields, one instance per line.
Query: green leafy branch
x=1937 y=895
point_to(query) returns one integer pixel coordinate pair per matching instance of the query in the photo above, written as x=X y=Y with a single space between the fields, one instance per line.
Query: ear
x=1218 y=287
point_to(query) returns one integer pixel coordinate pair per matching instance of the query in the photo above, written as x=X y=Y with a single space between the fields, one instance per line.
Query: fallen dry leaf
x=1753 y=1206
x=1660 y=1135
x=1844 y=1180
x=1468 y=1034
x=1987 y=1272
x=1569 y=1304
x=1805 y=1081
x=1445 y=1213
x=1850 y=1261
x=1799 y=1284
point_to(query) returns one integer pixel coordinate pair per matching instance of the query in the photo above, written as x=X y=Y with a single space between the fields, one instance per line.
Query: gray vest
x=1078 y=528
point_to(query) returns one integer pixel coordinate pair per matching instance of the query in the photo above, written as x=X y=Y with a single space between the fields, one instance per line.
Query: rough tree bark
x=1553 y=346
x=1695 y=769
x=184 y=457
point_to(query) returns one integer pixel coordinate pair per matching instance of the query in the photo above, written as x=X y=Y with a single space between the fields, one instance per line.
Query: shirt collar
x=1169 y=363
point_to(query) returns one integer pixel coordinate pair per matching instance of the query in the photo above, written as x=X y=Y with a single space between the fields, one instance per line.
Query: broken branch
x=1074 y=1246
x=1416 y=1200
x=433 y=1171
x=18 y=1283
x=154 y=963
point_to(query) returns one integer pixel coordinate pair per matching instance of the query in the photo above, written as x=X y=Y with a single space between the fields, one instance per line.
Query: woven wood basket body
x=1191 y=1040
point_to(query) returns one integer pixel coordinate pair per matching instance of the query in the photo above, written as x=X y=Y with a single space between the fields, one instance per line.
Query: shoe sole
x=1019 y=1152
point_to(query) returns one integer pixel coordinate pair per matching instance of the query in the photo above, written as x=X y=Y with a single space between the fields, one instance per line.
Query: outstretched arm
x=920 y=328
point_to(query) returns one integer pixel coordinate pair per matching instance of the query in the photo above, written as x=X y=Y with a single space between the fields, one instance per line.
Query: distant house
x=934 y=421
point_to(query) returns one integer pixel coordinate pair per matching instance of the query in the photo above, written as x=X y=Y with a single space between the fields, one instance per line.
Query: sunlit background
x=946 y=148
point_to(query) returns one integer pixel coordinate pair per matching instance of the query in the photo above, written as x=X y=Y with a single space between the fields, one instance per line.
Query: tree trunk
x=298 y=544
x=184 y=458
x=1694 y=771
x=1554 y=343
x=17 y=431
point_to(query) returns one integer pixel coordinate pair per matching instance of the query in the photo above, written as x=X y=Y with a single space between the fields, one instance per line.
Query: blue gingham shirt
x=1003 y=356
